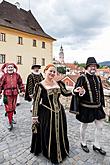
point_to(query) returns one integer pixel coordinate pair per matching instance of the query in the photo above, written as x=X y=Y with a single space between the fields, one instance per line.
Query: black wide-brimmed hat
x=36 y=66
x=91 y=61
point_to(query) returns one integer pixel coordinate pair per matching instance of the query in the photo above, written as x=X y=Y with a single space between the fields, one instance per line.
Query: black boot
x=17 y=104
x=102 y=152
x=5 y=114
x=10 y=127
x=14 y=112
x=85 y=148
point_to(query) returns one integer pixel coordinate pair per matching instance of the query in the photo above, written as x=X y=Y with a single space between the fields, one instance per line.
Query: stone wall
x=107 y=107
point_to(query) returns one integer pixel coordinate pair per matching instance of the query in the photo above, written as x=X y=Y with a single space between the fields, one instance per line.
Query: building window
x=2 y=37
x=34 y=43
x=19 y=59
x=34 y=60
x=67 y=83
x=20 y=40
x=43 y=44
x=43 y=61
x=2 y=58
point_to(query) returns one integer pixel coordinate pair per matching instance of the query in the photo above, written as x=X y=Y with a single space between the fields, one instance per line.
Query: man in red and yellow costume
x=11 y=83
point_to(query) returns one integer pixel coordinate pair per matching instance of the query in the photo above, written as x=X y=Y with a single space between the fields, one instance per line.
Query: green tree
x=61 y=69
x=75 y=62
x=82 y=65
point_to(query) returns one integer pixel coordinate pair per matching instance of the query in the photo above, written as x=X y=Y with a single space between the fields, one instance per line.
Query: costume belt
x=10 y=88
x=90 y=106
x=51 y=109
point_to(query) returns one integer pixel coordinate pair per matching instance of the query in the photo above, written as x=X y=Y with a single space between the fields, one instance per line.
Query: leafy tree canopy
x=61 y=69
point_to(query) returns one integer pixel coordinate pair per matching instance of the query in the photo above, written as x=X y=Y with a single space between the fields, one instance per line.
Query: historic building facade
x=22 y=39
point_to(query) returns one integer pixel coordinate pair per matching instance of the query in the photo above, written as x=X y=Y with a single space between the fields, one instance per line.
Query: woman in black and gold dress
x=49 y=119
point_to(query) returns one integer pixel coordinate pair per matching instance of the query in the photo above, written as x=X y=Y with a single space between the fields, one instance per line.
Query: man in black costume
x=32 y=79
x=91 y=102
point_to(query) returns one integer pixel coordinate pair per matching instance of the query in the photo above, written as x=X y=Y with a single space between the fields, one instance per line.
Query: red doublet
x=11 y=84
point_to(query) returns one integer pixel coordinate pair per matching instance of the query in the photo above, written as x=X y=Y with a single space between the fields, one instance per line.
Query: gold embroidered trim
x=63 y=134
x=51 y=109
x=50 y=135
x=53 y=91
x=64 y=90
x=37 y=99
x=57 y=137
x=88 y=85
x=57 y=109
x=50 y=126
x=90 y=106
x=98 y=86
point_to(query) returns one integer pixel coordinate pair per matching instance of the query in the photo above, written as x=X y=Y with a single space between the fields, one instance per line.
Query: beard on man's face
x=93 y=71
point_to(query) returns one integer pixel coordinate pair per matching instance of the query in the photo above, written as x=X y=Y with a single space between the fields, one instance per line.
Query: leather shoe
x=102 y=152
x=85 y=148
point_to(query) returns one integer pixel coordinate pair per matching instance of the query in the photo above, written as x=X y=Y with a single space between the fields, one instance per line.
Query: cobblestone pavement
x=15 y=145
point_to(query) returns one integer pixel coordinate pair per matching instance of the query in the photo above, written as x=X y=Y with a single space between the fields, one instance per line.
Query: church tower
x=61 y=55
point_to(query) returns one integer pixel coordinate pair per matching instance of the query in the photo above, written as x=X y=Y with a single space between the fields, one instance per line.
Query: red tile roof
x=59 y=77
x=71 y=66
x=107 y=70
x=72 y=77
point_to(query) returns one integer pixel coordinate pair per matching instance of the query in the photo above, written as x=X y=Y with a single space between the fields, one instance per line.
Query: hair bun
x=48 y=66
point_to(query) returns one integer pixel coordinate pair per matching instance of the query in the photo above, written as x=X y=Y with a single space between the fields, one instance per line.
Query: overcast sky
x=81 y=26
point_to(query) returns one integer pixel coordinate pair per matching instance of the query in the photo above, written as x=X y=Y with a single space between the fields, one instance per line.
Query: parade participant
x=91 y=102
x=49 y=119
x=1 y=98
x=32 y=79
x=10 y=84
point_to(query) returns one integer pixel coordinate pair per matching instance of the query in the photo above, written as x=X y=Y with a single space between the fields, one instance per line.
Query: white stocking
x=98 y=132
x=82 y=133
x=32 y=105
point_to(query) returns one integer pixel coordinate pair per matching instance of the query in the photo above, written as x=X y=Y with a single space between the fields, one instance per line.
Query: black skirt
x=88 y=115
x=46 y=129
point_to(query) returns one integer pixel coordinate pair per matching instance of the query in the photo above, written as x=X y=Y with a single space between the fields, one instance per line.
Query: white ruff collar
x=36 y=73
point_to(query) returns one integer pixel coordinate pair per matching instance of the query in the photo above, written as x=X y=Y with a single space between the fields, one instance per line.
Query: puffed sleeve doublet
x=92 y=102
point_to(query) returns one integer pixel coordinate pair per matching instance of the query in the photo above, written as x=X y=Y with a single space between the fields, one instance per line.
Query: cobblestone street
x=15 y=145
